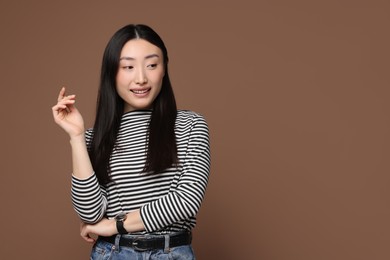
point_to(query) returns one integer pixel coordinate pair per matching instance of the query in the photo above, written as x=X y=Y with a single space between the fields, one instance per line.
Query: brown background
x=295 y=94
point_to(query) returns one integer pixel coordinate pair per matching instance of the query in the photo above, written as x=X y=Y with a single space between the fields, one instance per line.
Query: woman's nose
x=141 y=78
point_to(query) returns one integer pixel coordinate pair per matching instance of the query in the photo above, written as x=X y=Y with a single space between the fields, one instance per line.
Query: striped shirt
x=168 y=201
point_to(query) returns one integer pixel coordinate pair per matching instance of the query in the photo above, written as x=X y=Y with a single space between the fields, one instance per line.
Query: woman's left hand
x=105 y=227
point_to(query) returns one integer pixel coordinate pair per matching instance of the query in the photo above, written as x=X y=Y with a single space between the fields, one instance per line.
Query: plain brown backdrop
x=295 y=94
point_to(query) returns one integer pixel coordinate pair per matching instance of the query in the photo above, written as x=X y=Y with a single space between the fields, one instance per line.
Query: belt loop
x=166 y=245
x=117 y=239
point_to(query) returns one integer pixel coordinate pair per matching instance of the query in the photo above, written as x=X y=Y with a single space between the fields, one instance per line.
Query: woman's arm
x=183 y=203
x=82 y=167
x=175 y=206
x=67 y=116
x=107 y=227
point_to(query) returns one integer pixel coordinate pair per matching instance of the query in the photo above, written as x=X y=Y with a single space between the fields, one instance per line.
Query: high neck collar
x=137 y=113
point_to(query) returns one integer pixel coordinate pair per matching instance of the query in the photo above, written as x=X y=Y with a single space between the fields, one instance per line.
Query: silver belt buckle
x=134 y=244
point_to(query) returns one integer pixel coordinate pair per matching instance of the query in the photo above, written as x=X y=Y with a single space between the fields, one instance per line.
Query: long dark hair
x=161 y=150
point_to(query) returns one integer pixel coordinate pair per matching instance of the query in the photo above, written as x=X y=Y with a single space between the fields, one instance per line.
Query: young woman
x=140 y=174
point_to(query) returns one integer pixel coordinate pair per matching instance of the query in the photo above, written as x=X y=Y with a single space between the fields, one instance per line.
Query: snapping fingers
x=64 y=103
x=61 y=95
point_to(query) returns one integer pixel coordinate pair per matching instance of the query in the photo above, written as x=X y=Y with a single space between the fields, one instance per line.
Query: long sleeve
x=89 y=199
x=184 y=199
x=168 y=201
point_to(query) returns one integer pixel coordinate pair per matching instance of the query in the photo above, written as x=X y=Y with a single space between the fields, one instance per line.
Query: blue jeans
x=103 y=250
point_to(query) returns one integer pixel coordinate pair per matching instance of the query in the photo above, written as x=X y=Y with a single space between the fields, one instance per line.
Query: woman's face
x=140 y=74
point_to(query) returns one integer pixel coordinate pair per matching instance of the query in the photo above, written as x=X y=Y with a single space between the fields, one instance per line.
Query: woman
x=140 y=174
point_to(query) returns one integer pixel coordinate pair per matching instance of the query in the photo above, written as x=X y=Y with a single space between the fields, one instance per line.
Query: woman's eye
x=152 y=66
x=128 y=67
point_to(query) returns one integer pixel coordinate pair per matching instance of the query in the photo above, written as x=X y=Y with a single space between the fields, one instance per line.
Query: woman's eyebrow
x=151 y=56
x=146 y=57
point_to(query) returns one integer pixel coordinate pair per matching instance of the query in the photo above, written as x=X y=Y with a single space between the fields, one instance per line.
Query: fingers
x=84 y=233
x=64 y=103
x=87 y=238
x=70 y=100
x=62 y=94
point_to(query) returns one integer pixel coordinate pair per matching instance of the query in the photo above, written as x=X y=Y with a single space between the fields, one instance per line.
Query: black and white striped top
x=168 y=201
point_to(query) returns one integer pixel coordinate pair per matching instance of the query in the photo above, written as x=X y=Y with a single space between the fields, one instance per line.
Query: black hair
x=161 y=150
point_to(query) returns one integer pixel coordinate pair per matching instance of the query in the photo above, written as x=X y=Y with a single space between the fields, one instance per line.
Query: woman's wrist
x=133 y=222
x=75 y=139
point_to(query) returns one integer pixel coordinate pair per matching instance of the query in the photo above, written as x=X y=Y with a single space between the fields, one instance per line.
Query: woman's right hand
x=67 y=116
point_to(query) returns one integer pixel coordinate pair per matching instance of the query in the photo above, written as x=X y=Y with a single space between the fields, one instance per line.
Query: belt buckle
x=134 y=244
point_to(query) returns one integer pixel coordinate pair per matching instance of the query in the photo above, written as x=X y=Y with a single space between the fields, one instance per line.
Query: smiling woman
x=140 y=174
x=140 y=74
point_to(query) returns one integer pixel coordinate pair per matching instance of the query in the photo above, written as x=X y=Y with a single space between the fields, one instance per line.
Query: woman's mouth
x=140 y=92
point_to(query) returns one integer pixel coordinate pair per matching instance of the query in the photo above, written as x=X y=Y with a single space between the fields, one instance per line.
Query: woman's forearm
x=133 y=222
x=107 y=227
x=82 y=167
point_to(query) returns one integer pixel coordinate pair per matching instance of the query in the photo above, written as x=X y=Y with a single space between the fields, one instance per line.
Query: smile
x=140 y=91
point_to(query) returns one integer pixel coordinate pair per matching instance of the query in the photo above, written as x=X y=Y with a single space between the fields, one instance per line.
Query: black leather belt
x=150 y=242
